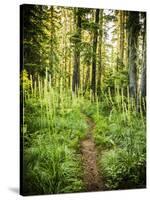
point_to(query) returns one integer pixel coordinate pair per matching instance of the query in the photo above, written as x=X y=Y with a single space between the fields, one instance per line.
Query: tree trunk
x=87 y=79
x=76 y=70
x=120 y=41
x=93 y=84
x=70 y=56
x=51 y=57
x=100 y=54
x=133 y=44
x=143 y=77
x=121 y=38
x=126 y=50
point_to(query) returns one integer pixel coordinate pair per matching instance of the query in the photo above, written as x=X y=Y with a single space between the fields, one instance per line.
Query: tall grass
x=53 y=128
x=121 y=134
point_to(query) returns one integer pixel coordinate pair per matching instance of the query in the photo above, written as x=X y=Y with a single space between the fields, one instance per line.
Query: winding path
x=92 y=176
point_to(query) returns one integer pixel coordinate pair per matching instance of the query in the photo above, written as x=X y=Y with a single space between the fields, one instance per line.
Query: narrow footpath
x=92 y=176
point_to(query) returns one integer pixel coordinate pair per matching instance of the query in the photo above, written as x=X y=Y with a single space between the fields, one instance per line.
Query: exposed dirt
x=92 y=176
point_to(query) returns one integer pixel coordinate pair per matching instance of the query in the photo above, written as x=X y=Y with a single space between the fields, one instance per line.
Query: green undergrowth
x=54 y=125
x=53 y=129
x=124 y=154
x=120 y=137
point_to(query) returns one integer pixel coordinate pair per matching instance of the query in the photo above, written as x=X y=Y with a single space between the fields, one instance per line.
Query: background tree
x=142 y=92
x=94 y=57
x=35 y=39
x=77 y=44
x=143 y=76
x=133 y=28
x=99 y=73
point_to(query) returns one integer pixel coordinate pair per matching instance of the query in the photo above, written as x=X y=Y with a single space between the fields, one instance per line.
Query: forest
x=83 y=99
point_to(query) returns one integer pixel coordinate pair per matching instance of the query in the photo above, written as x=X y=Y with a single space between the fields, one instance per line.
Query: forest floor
x=92 y=176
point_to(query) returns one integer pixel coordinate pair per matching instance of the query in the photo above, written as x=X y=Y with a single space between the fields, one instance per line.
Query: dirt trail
x=92 y=177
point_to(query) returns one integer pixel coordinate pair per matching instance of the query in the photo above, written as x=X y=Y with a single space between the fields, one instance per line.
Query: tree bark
x=133 y=25
x=76 y=68
x=143 y=77
x=100 y=54
x=121 y=37
x=93 y=83
x=87 y=79
x=51 y=56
